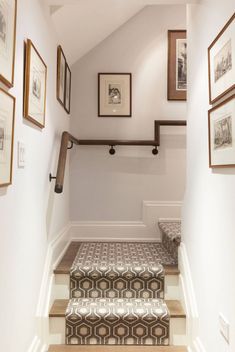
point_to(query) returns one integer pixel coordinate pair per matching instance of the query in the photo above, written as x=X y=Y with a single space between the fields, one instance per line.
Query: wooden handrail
x=68 y=138
x=65 y=139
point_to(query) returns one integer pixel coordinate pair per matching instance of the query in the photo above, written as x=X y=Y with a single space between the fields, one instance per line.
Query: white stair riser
x=61 y=287
x=177 y=331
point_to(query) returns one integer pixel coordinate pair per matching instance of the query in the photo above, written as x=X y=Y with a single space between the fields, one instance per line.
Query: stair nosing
x=65 y=302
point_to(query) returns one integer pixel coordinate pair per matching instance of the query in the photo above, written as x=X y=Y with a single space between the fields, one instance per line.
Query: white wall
x=112 y=188
x=30 y=214
x=209 y=222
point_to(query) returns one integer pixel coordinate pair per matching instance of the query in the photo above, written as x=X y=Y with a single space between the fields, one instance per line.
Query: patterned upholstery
x=171 y=237
x=116 y=294
x=117 y=321
x=121 y=270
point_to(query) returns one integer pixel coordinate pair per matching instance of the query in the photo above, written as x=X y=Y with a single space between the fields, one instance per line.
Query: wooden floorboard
x=66 y=262
x=67 y=348
x=59 y=307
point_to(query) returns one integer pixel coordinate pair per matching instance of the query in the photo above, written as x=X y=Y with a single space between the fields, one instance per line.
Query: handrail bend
x=68 y=138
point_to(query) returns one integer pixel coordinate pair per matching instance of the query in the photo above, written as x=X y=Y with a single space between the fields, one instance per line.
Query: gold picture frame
x=8 y=15
x=35 y=86
x=7 y=122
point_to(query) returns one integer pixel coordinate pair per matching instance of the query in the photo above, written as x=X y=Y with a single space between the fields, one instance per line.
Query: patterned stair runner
x=171 y=237
x=115 y=321
x=116 y=294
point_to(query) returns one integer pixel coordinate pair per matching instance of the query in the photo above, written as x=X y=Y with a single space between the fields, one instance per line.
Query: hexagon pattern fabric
x=118 y=270
x=171 y=237
x=106 y=321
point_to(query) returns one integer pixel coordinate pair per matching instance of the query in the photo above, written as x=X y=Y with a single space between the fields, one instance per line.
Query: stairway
x=110 y=293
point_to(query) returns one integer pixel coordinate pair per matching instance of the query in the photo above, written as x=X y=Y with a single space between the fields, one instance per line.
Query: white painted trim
x=55 y=250
x=34 y=347
x=145 y=229
x=189 y=302
x=198 y=346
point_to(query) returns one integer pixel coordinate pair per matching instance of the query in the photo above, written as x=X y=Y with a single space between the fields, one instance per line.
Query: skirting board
x=189 y=301
x=145 y=229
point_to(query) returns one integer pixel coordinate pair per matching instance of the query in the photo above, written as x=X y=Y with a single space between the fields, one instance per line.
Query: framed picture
x=8 y=9
x=221 y=58
x=114 y=94
x=35 y=86
x=221 y=120
x=61 y=75
x=7 y=119
x=177 y=65
x=67 y=89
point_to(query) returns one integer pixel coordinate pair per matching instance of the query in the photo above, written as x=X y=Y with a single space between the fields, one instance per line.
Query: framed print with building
x=35 y=86
x=221 y=121
x=61 y=72
x=114 y=94
x=67 y=89
x=177 y=65
x=7 y=119
x=221 y=62
x=8 y=10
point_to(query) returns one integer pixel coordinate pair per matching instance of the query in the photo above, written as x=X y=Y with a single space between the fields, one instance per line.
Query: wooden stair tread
x=68 y=258
x=59 y=307
x=70 y=348
x=66 y=262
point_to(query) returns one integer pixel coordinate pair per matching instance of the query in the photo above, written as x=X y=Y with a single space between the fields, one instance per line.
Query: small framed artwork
x=114 y=94
x=221 y=58
x=7 y=119
x=67 y=89
x=8 y=10
x=61 y=75
x=177 y=65
x=35 y=86
x=221 y=120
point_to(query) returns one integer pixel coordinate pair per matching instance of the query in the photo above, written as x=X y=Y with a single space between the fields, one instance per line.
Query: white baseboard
x=145 y=229
x=189 y=301
x=55 y=251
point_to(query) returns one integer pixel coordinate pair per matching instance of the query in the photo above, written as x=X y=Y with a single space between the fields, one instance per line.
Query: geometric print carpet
x=117 y=292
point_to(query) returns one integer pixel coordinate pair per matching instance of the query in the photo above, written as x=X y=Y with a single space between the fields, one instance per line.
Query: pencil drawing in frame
x=177 y=65
x=67 y=99
x=221 y=122
x=8 y=11
x=35 y=86
x=114 y=94
x=221 y=62
x=7 y=119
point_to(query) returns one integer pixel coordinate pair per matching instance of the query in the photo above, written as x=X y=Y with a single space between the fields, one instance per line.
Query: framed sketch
x=177 y=65
x=221 y=62
x=221 y=120
x=7 y=119
x=67 y=89
x=8 y=9
x=35 y=86
x=61 y=73
x=114 y=94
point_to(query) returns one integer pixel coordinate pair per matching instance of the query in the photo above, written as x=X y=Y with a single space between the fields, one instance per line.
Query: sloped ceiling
x=83 y=24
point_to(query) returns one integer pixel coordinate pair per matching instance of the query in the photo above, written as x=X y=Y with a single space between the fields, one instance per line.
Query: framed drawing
x=35 y=86
x=8 y=9
x=114 y=94
x=67 y=89
x=221 y=120
x=7 y=119
x=177 y=65
x=221 y=62
x=61 y=72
